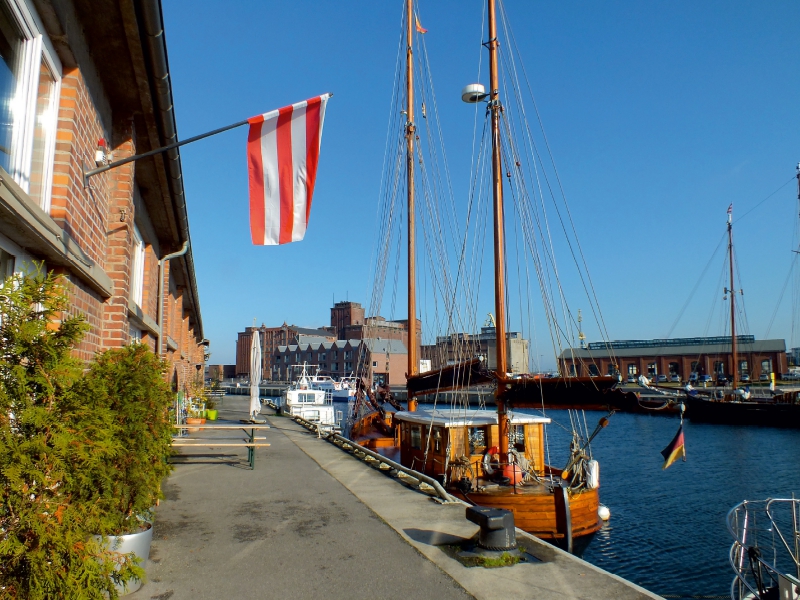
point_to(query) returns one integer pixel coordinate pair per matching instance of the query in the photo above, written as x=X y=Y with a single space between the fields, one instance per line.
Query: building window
x=651 y=369
x=632 y=369
x=322 y=356
x=374 y=363
x=30 y=77
x=572 y=370
x=348 y=354
x=593 y=370
x=137 y=274
x=348 y=366
x=674 y=369
x=695 y=366
x=297 y=357
x=719 y=367
x=323 y=367
x=766 y=366
x=7 y=262
x=136 y=335
x=335 y=354
x=334 y=366
x=743 y=368
x=286 y=358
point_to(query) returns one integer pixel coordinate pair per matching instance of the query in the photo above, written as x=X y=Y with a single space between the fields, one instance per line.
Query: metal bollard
x=497 y=527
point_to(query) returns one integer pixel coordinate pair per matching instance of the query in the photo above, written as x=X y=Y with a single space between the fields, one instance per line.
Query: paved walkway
x=285 y=530
x=311 y=520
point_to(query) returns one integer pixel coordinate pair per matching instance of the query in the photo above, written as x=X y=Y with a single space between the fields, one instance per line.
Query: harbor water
x=667 y=530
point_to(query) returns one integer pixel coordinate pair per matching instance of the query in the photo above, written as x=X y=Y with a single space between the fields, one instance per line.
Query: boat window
x=306 y=398
x=416 y=438
x=477 y=440
x=516 y=437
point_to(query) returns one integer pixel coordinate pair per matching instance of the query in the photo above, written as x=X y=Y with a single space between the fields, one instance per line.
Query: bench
x=249 y=442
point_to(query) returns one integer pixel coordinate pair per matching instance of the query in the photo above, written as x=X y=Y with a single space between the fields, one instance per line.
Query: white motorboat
x=311 y=403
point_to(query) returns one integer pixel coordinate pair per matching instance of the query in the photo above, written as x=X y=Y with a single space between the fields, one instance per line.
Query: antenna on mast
x=581 y=335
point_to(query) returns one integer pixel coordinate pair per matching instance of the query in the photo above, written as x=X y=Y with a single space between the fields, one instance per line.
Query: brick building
x=375 y=359
x=458 y=347
x=677 y=356
x=349 y=322
x=86 y=80
x=270 y=338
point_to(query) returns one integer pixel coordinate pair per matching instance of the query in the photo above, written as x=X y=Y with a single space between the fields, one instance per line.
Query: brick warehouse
x=92 y=77
x=677 y=356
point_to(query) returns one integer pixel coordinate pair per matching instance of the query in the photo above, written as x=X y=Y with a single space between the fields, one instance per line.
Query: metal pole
x=499 y=243
x=735 y=376
x=125 y=161
x=410 y=133
x=161 y=263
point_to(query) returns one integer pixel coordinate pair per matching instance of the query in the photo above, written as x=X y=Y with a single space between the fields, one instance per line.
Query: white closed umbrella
x=255 y=375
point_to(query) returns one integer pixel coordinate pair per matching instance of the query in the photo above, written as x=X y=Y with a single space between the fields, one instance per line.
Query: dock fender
x=563 y=516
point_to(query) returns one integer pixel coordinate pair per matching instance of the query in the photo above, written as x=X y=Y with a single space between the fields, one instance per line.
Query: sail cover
x=282 y=157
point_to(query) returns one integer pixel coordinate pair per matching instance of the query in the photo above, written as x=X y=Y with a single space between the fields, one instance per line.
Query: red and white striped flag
x=282 y=157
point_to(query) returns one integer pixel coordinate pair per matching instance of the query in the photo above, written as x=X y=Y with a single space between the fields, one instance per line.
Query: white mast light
x=473 y=93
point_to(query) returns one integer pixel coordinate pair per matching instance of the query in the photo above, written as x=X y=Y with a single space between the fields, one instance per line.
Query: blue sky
x=659 y=115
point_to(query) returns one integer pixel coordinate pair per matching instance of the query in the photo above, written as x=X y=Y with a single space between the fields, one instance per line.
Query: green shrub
x=130 y=380
x=80 y=454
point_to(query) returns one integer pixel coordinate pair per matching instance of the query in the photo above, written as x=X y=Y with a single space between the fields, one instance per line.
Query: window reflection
x=11 y=42
x=42 y=133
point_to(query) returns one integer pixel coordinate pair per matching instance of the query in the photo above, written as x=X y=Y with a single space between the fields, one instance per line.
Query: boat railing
x=763 y=553
x=345 y=443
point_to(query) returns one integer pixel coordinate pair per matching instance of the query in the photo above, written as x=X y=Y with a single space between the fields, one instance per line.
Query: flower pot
x=211 y=414
x=194 y=421
x=139 y=544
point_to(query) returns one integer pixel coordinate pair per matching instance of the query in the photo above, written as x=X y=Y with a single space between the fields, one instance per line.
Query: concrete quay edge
x=427 y=525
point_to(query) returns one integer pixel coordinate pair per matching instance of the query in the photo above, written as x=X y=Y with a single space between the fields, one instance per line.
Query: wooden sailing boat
x=741 y=406
x=488 y=458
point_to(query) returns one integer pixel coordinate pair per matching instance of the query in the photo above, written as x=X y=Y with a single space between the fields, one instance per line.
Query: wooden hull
x=589 y=393
x=540 y=512
x=768 y=413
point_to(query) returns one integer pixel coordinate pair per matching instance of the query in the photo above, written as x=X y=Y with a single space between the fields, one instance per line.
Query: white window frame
x=137 y=267
x=36 y=48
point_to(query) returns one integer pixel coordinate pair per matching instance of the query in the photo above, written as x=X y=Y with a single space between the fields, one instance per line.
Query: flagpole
x=135 y=157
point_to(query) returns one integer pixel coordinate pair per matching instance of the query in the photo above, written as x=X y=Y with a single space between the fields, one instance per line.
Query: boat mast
x=410 y=134
x=499 y=243
x=735 y=374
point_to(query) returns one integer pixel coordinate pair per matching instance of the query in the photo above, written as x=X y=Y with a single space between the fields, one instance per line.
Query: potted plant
x=57 y=442
x=211 y=408
x=130 y=380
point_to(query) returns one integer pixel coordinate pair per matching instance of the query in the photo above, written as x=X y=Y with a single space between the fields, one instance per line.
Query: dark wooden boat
x=781 y=411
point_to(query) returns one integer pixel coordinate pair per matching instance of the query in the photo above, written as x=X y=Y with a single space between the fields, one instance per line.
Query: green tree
x=81 y=453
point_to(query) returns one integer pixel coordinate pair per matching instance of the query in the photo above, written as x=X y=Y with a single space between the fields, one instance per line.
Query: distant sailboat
x=735 y=404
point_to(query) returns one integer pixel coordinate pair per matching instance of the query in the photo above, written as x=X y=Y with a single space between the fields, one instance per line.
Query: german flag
x=675 y=450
